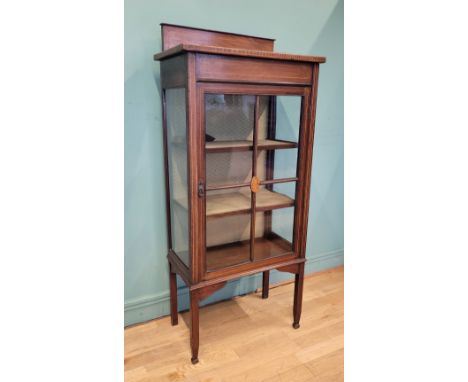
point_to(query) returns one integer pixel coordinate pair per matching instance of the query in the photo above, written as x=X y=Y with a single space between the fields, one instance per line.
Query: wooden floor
x=248 y=339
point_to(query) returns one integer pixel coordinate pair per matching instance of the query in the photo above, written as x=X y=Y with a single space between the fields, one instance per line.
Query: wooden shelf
x=263 y=144
x=239 y=202
x=231 y=254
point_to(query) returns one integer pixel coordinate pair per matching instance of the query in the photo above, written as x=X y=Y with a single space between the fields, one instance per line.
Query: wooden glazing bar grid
x=275 y=181
x=254 y=174
x=262 y=182
x=227 y=186
x=270 y=158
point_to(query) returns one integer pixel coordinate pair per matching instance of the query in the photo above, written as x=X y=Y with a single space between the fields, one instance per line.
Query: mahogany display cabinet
x=238 y=135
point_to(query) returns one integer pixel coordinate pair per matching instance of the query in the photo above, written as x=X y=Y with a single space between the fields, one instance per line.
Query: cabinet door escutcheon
x=201 y=188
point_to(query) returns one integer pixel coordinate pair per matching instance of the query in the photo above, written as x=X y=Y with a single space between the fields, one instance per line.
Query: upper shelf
x=263 y=144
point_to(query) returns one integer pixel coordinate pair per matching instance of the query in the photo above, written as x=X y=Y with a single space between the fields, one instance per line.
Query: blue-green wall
x=305 y=27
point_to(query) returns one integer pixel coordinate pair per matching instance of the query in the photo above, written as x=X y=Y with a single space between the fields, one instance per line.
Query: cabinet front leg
x=298 y=289
x=194 y=325
x=266 y=284
x=173 y=296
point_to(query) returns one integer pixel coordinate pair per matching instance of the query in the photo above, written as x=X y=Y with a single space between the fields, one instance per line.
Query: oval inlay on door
x=254 y=184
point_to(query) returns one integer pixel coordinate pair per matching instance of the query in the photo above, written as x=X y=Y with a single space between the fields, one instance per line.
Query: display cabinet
x=238 y=136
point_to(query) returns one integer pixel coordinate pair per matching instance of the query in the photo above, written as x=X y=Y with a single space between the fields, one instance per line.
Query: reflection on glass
x=228 y=118
x=226 y=168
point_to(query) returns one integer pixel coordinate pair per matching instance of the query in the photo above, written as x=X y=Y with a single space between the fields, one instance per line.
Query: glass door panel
x=277 y=164
x=227 y=240
x=278 y=122
x=229 y=128
x=288 y=117
x=229 y=201
x=274 y=220
x=228 y=168
x=229 y=125
x=278 y=137
x=274 y=234
x=229 y=121
x=276 y=167
x=272 y=197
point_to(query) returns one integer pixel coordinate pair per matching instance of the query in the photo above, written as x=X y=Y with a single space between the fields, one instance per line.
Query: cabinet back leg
x=266 y=284
x=173 y=297
x=194 y=325
x=298 y=289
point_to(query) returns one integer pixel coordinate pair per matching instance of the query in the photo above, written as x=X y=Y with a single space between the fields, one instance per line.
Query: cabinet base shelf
x=232 y=254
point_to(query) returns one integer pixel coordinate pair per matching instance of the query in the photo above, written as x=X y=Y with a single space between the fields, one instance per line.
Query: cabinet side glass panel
x=176 y=123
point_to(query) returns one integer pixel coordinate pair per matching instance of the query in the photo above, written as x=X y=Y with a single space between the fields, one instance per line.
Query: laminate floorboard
x=248 y=339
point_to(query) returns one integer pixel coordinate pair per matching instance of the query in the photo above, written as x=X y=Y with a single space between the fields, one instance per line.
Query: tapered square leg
x=266 y=284
x=194 y=325
x=298 y=289
x=173 y=297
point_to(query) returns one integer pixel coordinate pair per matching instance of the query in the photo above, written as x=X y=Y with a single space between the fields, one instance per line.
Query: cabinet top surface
x=182 y=48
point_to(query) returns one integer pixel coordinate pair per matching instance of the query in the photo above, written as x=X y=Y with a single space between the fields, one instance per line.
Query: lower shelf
x=228 y=255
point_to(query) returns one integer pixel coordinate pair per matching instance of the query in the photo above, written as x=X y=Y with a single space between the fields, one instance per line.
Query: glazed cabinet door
x=251 y=168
